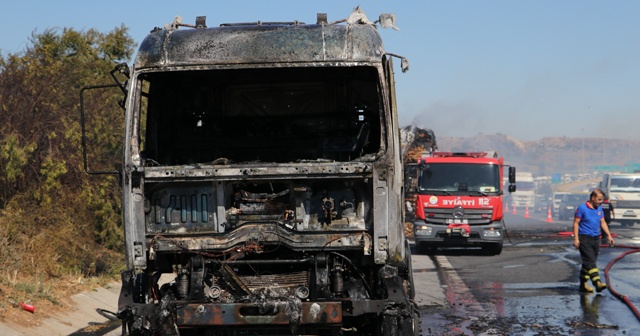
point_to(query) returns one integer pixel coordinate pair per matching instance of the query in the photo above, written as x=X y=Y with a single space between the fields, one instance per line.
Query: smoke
x=530 y=117
x=453 y=119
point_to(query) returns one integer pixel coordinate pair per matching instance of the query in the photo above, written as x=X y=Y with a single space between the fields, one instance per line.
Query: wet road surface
x=532 y=287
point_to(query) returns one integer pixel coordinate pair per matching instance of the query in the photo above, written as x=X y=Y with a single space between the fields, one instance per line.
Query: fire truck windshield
x=459 y=178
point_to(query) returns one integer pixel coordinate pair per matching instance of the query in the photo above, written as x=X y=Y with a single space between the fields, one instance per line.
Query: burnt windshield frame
x=263 y=115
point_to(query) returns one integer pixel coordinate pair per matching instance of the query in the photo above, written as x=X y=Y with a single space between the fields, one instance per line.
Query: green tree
x=54 y=217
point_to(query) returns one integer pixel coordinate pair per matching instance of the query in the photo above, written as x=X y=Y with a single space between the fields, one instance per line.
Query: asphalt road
x=532 y=287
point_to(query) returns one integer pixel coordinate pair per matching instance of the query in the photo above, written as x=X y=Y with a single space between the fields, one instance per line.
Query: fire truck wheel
x=424 y=248
x=493 y=249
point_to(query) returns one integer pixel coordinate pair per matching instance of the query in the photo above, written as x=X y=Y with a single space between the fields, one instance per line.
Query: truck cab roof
x=260 y=43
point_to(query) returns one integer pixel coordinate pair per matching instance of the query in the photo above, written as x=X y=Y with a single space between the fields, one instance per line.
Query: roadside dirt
x=79 y=312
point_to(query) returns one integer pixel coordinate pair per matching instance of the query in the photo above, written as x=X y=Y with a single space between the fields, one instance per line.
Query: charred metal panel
x=134 y=234
x=361 y=307
x=266 y=234
x=296 y=206
x=260 y=44
x=335 y=170
x=381 y=222
x=152 y=48
x=275 y=313
x=182 y=208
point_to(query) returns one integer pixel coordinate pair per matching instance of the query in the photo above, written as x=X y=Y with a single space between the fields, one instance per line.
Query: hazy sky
x=528 y=69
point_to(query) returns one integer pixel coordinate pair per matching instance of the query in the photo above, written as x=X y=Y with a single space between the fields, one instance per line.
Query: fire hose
x=623 y=298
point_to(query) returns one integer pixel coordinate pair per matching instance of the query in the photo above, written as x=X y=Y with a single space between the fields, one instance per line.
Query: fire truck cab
x=459 y=201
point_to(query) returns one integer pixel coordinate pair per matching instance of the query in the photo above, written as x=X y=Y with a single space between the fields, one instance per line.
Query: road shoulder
x=86 y=311
x=426 y=276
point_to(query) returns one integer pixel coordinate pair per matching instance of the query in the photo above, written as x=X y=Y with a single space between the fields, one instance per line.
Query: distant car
x=568 y=205
x=541 y=205
x=556 y=199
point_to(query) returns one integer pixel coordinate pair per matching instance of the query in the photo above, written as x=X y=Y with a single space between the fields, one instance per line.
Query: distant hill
x=550 y=155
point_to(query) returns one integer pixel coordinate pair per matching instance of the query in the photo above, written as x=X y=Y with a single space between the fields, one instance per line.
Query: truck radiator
x=288 y=280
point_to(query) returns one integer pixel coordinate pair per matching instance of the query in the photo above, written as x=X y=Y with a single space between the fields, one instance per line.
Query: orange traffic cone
x=506 y=207
x=515 y=212
x=526 y=211
x=549 y=217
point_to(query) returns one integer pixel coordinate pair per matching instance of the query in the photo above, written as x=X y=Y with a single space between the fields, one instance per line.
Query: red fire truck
x=459 y=201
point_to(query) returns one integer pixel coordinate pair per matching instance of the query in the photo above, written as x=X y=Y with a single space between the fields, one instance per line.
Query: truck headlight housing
x=491 y=233
x=423 y=230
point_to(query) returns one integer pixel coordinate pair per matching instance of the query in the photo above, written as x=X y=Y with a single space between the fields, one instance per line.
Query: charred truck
x=460 y=201
x=262 y=182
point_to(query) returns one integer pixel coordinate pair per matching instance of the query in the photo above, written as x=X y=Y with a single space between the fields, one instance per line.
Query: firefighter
x=609 y=213
x=588 y=221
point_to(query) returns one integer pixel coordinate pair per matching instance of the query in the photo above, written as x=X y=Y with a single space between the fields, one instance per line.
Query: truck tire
x=493 y=249
x=410 y=325
x=407 y=325
x=410 y=287
x=425 y=249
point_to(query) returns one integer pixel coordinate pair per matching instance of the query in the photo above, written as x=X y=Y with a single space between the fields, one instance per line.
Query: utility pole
x=583 y=170
x=583 y=155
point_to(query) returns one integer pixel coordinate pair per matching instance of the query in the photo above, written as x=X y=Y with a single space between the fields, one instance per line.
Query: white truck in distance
x=525 y=194
x=623 y=190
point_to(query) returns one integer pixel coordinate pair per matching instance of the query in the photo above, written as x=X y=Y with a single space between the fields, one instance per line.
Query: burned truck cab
x=262 y=183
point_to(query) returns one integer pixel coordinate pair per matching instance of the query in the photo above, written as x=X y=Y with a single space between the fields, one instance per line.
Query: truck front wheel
x=493 y=248
x=425 y=248
x=408 y=324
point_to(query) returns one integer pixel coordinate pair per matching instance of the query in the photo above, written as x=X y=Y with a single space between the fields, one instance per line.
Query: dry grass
x=45 y=264
x=49 y=297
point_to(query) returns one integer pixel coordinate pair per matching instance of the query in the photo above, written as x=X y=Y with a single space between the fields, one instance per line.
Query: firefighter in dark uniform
x=607 y=207
x=588 y=221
